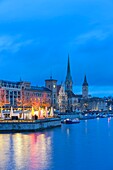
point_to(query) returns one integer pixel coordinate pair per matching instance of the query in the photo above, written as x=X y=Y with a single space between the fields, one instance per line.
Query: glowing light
x=51 y=112
x=32 y=112
x=54 y=86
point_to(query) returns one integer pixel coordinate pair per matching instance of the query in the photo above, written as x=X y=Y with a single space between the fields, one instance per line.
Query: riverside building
x=14 y=90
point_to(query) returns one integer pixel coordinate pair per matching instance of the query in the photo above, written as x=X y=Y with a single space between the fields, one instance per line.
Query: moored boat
x=71 y=121
x=76 y=120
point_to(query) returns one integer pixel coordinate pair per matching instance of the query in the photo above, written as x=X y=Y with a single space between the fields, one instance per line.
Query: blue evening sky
x=37 y=35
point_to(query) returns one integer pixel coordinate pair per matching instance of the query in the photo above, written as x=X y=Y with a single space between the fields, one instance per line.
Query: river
x=84 y=146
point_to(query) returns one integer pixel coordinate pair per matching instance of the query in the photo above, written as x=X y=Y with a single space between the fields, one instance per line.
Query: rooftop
x=36 y=88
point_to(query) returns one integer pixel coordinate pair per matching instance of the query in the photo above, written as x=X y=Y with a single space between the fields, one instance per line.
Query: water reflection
x=68 y=131
x=86 y=127
x=109 y=119
x=20 y=151
x=84 y=146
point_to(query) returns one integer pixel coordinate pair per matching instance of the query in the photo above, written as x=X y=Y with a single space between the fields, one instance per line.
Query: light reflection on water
x=25 y=151
x=84 y=146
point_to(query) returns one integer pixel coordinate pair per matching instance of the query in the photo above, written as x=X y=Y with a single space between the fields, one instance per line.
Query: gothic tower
x=68 y=81
x=85 y=88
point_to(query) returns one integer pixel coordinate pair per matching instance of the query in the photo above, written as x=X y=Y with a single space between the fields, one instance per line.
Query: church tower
x=68 y=81
x=85 y=88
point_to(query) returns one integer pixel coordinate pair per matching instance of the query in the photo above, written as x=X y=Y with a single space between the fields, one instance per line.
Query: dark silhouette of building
x=85 y=88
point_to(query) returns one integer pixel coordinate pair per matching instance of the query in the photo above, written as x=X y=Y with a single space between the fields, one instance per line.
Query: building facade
x=62 y=98
x=15 y=91
x=93 y=104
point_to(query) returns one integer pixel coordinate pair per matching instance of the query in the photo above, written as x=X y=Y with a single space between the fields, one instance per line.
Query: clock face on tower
x=84 y=88
x=54 y=86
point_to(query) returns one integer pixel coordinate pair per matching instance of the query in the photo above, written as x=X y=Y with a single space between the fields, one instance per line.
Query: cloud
x=93 y=42
x=98 y=35
x=12 y=43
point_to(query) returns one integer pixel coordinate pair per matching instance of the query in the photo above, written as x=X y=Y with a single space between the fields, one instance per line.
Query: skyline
x=36 y=37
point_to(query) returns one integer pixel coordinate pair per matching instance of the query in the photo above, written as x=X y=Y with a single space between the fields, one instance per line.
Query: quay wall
x=29 y=126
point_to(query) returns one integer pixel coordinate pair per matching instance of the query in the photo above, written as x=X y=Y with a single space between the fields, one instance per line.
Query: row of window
x=10 y=85
x=11 y=92
x=37 y=94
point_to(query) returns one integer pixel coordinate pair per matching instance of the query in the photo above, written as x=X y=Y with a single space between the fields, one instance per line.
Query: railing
x=16 y=121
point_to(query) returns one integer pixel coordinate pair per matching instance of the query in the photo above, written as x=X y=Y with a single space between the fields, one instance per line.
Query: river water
x=84 y=146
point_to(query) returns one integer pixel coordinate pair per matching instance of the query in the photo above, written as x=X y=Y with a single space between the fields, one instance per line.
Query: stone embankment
x=22 y=126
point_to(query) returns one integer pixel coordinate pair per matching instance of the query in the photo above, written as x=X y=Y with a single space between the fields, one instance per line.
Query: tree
x=44 y=101
x=23 y=101
x=3 y=100
x=39 y=104
x=35 y=102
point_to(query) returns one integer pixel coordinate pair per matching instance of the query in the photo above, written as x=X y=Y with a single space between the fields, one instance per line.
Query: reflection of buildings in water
x=40 y=151
x=68 y=131
x=13 y=151
x=4 y=150
x=20 y=151
x=33 y=151
x=86 y=128
x=109 y=119
x=109 y=131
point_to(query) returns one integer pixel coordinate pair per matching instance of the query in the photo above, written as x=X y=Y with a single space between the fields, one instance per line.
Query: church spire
x=68 y=77
x=68 y=82
x=85 y=83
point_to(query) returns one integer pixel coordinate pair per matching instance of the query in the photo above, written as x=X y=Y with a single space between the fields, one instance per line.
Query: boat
x=76 y=120
x=103 y=116
x=71 y=121
x=88 y=116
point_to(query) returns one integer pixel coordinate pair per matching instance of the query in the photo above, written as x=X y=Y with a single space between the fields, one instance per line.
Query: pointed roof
x=85 y=83
x=20 y=79
x=68 y=67
x=69 y=77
